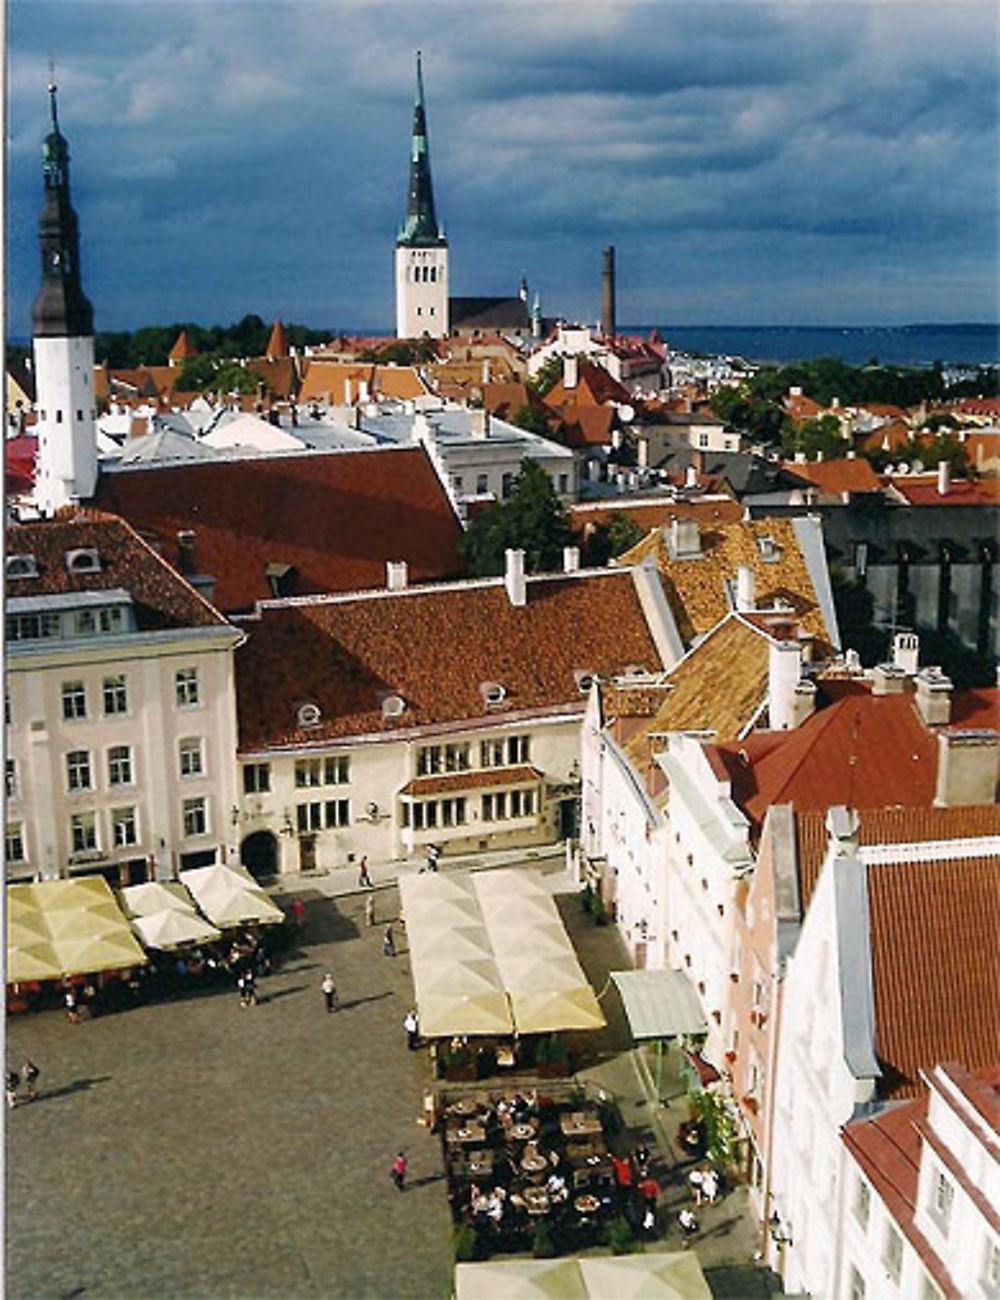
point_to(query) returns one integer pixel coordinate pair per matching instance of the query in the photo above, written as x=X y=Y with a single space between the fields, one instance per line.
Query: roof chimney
x=514 y=580
x=843 y=827
x=479 y=425
x=745 y=595
x=571 y=559
x=906 y=652
x=943 y=478
x=608 y=293
x=396 y=575
x=691 y=476
x=967 y=768
x=933 y=698
x=887 y=679
x=684 y=539
x=570 y=372
x=784 y=666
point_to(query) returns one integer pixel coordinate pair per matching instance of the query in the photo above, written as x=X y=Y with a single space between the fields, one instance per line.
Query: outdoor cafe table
x=479 y=1164
x=578 y=1124
x=534 y=1162
x=586 y=1205
x=579 y=1153
x=466 y=1107
x=470 y=1134
x=536 y=1200
x=523 y=1132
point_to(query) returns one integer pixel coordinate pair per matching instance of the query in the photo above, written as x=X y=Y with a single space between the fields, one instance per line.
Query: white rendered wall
x=421 y=303
x=67 y=437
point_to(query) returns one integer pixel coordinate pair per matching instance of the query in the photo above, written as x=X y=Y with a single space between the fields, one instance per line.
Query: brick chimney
x=967 y=768
x=514 y=580
x=608 y=325
x=933 y=698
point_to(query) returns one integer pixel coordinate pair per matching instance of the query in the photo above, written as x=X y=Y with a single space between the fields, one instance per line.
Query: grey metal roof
x=659 y=1003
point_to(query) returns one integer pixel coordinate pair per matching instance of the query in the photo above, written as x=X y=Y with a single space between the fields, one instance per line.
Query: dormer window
x=21 y=566
x=83 y=560
x=309 y=715
x=768 y=549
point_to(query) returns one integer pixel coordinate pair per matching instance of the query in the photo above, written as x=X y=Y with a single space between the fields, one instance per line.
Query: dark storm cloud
x=751 y=161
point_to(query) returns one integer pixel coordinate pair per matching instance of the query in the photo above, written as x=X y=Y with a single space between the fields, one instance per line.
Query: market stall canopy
x=659 y=1003
x=57 y=928
x=229 y=896
x=673 y=1275
x=173 y=928
x=548 y=1012
x=155 y=896
x=520 y=1279
x=447 y=1015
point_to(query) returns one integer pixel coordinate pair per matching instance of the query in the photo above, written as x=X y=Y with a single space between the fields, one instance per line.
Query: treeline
x=149 y=346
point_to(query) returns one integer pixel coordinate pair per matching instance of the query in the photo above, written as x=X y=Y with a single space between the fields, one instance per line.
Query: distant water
x=902 y=345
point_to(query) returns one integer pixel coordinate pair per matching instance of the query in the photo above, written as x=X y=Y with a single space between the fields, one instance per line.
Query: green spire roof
x=420 y=229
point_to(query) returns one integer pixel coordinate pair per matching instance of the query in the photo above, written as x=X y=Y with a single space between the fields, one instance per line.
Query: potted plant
x=620 y=1236
x=458 y=1062
x=542 y=1245
x=552 y=1058
x=466 y=1243
x=717 y=1125
x=599 y=911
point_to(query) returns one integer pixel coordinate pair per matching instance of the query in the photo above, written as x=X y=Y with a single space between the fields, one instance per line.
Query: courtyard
x=197 y=1148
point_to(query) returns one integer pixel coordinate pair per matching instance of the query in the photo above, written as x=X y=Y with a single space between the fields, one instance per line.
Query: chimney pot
x=684 y=539
x=933 y=697
x=967 y=768
x=396 y=575
x=571 y=559
x=784 y=670
x=943 y=477
x=906 y=652
x=745 y=596
x=514 y=580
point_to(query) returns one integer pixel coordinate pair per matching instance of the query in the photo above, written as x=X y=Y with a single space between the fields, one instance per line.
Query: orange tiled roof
x=503 y=399
x=696 y=588
x=278 y=374
x=486 y=779
x=183 y=348
x=162 y=598
x=800 y=408
x=647 y=515
x=935 y=966
x=594 y=387
x=887 y=437
x=277 y=343
x=586 y=426
x=324 y=381
x=922 y=491
x=336 y=518
x=434 y=647
x=837 y=476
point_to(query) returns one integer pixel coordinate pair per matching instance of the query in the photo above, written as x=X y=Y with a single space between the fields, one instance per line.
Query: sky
x=752 y=163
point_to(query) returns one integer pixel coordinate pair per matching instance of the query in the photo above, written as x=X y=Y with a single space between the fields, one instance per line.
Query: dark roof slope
x=161 y=596
x=435 y=648
x=334 y=518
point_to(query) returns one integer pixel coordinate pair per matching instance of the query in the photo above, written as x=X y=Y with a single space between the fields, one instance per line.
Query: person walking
x=299 y=914
x=370 y=911
x=329 y=991
x=364 y=877
x=399 y=1171
x=250 y=989
x=29 y=1077
x=11 y=1080
x=388 y=942
x=412 y=1026
x=72 y=1014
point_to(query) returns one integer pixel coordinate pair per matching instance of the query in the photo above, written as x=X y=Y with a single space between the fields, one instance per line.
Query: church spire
x=420 y=229
x=61 y=310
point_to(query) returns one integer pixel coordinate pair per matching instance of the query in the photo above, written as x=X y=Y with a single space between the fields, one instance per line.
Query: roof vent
x=21 y=566
x=83 y=560
x=584 y=681
x=309 y=715
x=768 y=549
x=393 y=706
x=492 y=692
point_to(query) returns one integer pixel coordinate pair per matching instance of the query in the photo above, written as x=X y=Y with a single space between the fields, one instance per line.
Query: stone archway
x=259 y=854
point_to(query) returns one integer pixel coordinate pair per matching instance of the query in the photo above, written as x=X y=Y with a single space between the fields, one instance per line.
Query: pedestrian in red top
x=299 y=913
x=399 y=1171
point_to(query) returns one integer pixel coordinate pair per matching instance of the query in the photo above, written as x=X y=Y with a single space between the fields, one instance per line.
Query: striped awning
x=659 y=1003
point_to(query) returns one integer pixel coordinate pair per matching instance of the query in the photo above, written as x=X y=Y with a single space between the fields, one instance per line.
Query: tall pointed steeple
x=420 y=229
x=61 y=308
x=421 y=248
x=63 y=330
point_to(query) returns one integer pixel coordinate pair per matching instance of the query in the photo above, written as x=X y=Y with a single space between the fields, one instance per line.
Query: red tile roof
x=490 y=778
x=594 y=387
x=19 y=456
x=800 y=408
x=837 y=476
x=162 y=598
x=585 y=426
x=922 y=491
x=648 y=515
x=336 y=518
x=277 y=343
x=979 y=406
x=935 y=966
x=436 y=648
x=183 y=348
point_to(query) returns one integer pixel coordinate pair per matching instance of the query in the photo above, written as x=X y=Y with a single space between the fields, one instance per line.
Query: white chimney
x=745 y=594
x=784 y=667
x=967 y=768
x=479 y=423
x=486 y=371
x=684 y=539
x=396 y=575
x=906 y=652
x=570 y=372
x=794 y=391
x=347 y=391
x=852 y=661
x=422 y=431
x=933 y=697
x=943 y=478
x=514 y=581
x=571 y=559
x=362 y=390
x=843 y=826
x=691 y=477
x=888 y=679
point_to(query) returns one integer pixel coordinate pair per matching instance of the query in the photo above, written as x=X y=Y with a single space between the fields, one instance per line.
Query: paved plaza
x=194 y=1148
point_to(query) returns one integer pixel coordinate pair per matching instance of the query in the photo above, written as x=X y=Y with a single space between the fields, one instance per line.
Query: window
x=191 y=763
x=308 y=772
x=309 y=817
x=942 y=1196
x=491 y=753
x=257 y=778
x=195 y=817
x=10 y=778
x=453 y=812
x=74 y=700
x=518 y=750
x=855 y=1285
x=186 y=682
x=337 y=770
x=21 y=566
x=482 y=484
x=892 y=1253
x=522 y=803
x=862 y=1203
x=702 y=440
x=78 y=770
x=563 y=484
x=32 y=627
x=432 y=759
x=83 y=832
x=428 y=760
x=456 y=482
x=120 y=765
x=506 y=485
x=14 y=845
x=115 y=696
x=123 y=827
x=338 y=813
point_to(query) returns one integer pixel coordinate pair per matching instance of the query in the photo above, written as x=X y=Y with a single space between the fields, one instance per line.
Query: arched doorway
x=259 y=854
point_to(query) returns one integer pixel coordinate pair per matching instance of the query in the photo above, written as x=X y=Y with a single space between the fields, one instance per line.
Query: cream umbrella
x=83 y=922
x=527 y=973
x=509 y=882
x=21 y=901
x=32 y=961
x=522 y=1279
x=413 y=889
x=443 y=911
x=173 y=928
x=443 y=1015
x=466 y=942
x=83 y=956
x=675 y=1275
x=77 y=892
x=539 y=940
x=461 y=978
x=27 y=928
x=542 y=1013
x=529 y=909
x=155 y=896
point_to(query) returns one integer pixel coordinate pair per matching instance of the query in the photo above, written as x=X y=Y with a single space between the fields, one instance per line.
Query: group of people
x=27 y=1077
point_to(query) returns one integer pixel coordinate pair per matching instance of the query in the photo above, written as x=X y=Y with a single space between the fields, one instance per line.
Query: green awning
x=659 y=1003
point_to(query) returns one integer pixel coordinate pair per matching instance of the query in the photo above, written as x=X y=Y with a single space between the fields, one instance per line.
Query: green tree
x=532 y=418
x=547 y=378
x=609 y=540
x=209 y=375
x=530 y=519
x=819 y=435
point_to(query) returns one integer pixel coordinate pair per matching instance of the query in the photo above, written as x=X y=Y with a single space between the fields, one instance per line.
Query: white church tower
x=63 y=330
x=421 y=249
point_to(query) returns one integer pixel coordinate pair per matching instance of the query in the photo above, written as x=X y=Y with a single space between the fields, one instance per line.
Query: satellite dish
x=626 y=413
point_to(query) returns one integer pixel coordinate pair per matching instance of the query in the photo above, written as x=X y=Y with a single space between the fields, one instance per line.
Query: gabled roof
x=335 y=518
x=436 y=648
x=585 y=426
x=278 y=373
x=488 y=313
x=648 y=514
x=183 y=349
x=890 y=436
x=837 y=476
x=162 y=598
x=696 y=588
x=277 y=343
x=504 y=398
x=325 y=381
x=594 y=387
x=921 y=490
x=800 y=408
